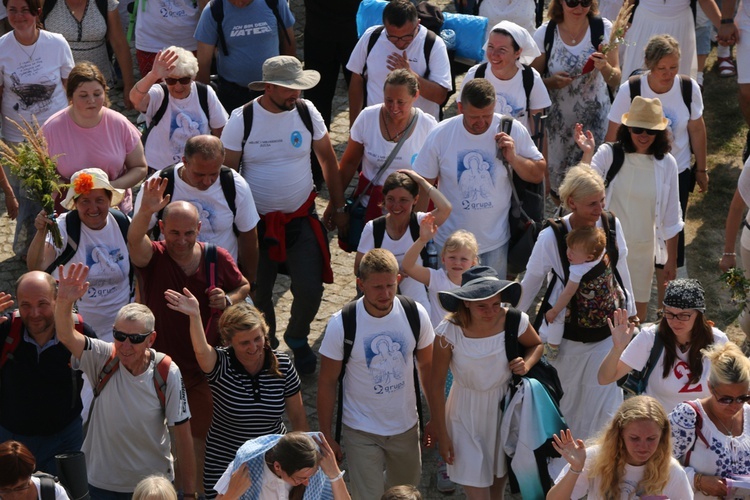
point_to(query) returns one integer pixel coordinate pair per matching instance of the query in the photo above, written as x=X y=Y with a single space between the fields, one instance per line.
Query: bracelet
x=334 y=479
x=576 y=472
x=727 y=21
x=697 y=481
x=139 y=90
x=430 y=190
x=729 y=254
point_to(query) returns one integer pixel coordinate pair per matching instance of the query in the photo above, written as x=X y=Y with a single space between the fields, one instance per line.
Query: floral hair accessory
x=83 y=184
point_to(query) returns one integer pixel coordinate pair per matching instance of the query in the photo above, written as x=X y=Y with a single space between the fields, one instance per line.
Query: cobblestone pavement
x=335 y=296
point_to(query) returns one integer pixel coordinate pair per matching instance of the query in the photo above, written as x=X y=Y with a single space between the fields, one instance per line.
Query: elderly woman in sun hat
x=102 y=246
x=471 y=342
x=642 y=189
x=510 y=50
x=681 y=369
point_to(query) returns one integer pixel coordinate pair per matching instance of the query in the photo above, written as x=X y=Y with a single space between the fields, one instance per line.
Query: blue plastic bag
x=470 y=34
x=370 y=13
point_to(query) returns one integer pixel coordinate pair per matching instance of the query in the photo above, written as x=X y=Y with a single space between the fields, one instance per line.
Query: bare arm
x=116 y=38
x=534 y=349
x=350 y=161
x=72 y=286
x=289 y=48
x=611 y=132
x=327 y=384
x=205 y=54
x=232 y=159
x=11 y=203
x=327 y=159
x=139 y=245
x=41 y=254
x=248 y=258
x=356 y=97
x=411 y=262
x=443 y=207
x=136 y=169
x=424 y=367
x=697 y=133
x=164 y=63
x=187 y=304
x=424 y=198
x=295 y=410
x=432 y=91
x=441 y=357
x=734 y=218
x=183 y=443
x=571 y=287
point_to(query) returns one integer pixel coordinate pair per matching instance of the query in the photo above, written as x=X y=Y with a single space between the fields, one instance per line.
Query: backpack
x=47 y=484
x=247 y=119
x=101 y=5
x=378 y=233
x=698 y=432
x=217 y=12
x=73 y=228
x=599 y=293
x=686 y=86
x=349 y=319
x=202 y=99
x=226 y=179
x=635 y=382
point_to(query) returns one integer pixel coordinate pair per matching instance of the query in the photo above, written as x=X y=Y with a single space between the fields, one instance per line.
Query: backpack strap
x=412 y=316
x=512 y=323
x=686 y=86
x=653 y=356
x=202 y=89
x=124 y=224
x=217 y=12
x=161 y=375
x=210 y=263
x=596 y=24
x=549 y=41
x=527 y=74
x=73 y=229
x=698 y=431
x=618 y=158
x=481 y=70
x=158 y=115
x=349 y=320
x=609 y=224
x=370 y=44
x=378 y=230
x=634 y=84
x=226 y=179
x=12 y=339
x=560 y=230
x=429 y=42
x=46 y=485
x=414 y=233
x=102 y=5
x=304 y=114
x=274 y=6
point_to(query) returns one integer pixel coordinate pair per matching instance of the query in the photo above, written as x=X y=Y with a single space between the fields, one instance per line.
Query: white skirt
x=647 y=24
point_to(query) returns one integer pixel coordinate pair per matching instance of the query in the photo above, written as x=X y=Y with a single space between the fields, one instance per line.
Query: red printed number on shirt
x=682 y=370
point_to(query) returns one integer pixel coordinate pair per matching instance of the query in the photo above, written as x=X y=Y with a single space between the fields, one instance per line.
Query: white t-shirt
x=216 y=217
x=276 y=159
x=378 y=384
x=439 y=282
x=510 y=95
x=676 y=388
x=273 y=487
x=377 y=69
x=473 y=179
x=408 y=286
x=105 y=251
x=127 y=431
x=677 y=486
x=183 y=119
x=366 y=131
x=60 y=493
x=32 y=79
x=674 y=110
x=161 y=23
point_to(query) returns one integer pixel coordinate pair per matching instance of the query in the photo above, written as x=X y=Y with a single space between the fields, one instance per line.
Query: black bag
x=356 y=223
x=635 y=382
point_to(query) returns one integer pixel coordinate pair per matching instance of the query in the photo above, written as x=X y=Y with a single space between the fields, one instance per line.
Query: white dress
x=474 y=408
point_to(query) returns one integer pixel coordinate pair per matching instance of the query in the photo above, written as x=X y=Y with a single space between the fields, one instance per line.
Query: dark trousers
x=232 y=96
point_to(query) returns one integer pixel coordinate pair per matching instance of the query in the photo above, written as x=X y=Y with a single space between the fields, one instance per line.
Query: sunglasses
x=183 y=81
x=639 y=131
x=728 y=400
x=575 y=3
x=679 y=316
x=134 y=338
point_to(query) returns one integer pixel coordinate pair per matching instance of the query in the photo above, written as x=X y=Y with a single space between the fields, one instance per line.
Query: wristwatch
x=229 y=303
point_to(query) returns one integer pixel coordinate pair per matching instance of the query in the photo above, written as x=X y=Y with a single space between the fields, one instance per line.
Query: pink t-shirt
x=104 y=146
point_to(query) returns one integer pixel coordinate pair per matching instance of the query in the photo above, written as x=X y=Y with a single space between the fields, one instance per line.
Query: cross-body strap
x=698 y=431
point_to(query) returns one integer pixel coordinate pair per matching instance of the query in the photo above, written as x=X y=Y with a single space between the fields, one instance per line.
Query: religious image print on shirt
x=385 y=353
x=476 y=179
x=108 y=269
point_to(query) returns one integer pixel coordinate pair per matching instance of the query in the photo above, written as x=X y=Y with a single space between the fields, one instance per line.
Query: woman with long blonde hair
x=631 y=458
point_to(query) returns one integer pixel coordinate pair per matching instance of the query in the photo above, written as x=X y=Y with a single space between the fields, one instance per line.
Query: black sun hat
x=480 y=283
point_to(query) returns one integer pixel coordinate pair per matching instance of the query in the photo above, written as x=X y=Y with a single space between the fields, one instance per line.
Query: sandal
x=727 y=67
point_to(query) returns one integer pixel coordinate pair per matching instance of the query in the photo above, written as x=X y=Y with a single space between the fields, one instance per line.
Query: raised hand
x=585 y=141
x=427 y=228
x=72 y=285
x=153 y=195
x=187 y=304
x=5 y=302
x=572 y=450
x=622 y=329
x=164 y=63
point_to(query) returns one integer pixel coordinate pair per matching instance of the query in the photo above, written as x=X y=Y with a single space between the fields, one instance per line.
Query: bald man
x=40 y=402
x=177 y=262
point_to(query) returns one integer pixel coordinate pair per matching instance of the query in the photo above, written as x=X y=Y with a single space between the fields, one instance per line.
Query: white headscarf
x=529 y=49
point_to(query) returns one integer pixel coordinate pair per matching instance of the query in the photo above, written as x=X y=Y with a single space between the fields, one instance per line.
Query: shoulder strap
x=161 y=375
x=560 y=230
x=481 y=70
x=686 y=86
x=203 y=100
x=304 y=114
x=349 y=320
x=549 y=41
x=47 y=7
x=429 y=42
x=653 y=356
x=12 y=339
x=226 y=178
x=378 y=230
x=414 y=233
x=618 y=158
x=370 y=44
x=247 y=121
x=274 y=6
x=73 y=229
x=596 y=24
x=634 y=83
x=217 y=12
x=512 y=322
x=165 y=173
x=162 y=108
x=610 y=228
x=210 y=262
x=102 y=5
x=46 y=486
x=412 y=316
x=109 y=369
x=528 y=84
x=698 y=431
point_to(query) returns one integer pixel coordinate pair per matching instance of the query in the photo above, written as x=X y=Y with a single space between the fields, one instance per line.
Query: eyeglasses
x=575 y=3
x=685 y=316
x=728 y=400
x=407 y=38
x=185 y=80
x=640 y=130
x=134 y=338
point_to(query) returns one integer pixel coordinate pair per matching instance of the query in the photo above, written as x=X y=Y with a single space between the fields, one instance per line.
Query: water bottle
x=449 y=37
x=432 y=260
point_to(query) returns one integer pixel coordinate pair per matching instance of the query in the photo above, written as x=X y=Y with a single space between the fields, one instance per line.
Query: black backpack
x=202 y=99
x=226 y=179
x=349 y=319
x=378 y=233
x=217 y=12
x=47 y=484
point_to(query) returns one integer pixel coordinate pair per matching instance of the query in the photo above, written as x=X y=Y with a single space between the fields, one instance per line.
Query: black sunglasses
x=134 y=338
x=575 y=3
x=173 y=81
x=728 y=400
x=640 y=130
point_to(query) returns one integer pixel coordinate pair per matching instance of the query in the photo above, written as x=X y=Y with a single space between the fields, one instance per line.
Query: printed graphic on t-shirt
x=107 y=270
x=33 y=97
x=385 y=354
x=682 y=372
x=250 y=29
x=670 y=115
x=505 y=107
x=183 y=127
x=296 y=139
x=175 y=8
x=207 y=213
x=476 y=180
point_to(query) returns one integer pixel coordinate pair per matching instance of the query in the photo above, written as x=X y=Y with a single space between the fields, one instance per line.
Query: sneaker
x=444 y=483
x=551 y=351
x=305 y=360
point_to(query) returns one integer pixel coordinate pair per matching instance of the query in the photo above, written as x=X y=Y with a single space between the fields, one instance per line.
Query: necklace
x=727 y=430
x=683 y=347
x=30 y=56
x=394 y=138
x=577 y=38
